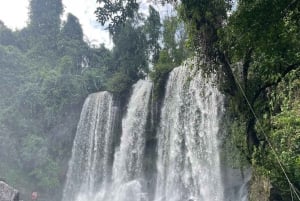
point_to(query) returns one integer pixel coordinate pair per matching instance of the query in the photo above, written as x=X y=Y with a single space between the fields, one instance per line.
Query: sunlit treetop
x=116 y=12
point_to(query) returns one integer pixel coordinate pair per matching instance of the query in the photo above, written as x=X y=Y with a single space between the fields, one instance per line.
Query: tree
x=13 y=71
x=7 y=37
x=129 y=55
x=152 y=30
x=116 y=12
x=71 y=44
x=203 y=19
x=174 y=39
x=72 y=29
x=172 y=53
x=44 y=21
x=264 y=36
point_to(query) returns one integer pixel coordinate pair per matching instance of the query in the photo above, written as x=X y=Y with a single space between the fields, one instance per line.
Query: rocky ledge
x=8 y=193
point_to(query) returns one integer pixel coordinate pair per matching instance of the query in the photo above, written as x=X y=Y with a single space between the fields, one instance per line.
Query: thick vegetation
x=46 y=72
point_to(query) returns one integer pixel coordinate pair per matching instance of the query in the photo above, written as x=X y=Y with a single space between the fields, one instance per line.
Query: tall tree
x=174 y=39
x=45 y=20
x=116 y=12
x=129 y=55
x=7 y=37
x=72 y=29
x=172 y=53
x=152 y=29
x=71 y=44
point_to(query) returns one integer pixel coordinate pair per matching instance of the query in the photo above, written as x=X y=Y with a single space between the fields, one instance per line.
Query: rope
x=267 y=139
x=291 y=193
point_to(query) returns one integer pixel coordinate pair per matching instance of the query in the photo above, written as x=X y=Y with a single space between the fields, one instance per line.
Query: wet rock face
x=8 y=193
x=259 y=187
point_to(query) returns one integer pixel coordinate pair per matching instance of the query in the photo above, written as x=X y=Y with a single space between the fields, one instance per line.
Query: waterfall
x=90 y=164
x=128 y=175
x=182 y=163
x=91 y=176
x=188 y=158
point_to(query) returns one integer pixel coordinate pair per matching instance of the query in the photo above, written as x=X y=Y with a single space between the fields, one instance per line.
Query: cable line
x=294 y=189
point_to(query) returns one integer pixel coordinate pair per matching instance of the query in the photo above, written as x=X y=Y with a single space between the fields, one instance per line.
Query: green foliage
x=203 y=19
x=45 y=18
x=174 y=40
x=267 y=28
x=133 y=42
x=47 y=176
x=284 y=135
x=33 y=143
x=72 y=29
x=7 y=37
x=115 y=12
x=152 y=30
x=14 y=68
x=43 y=82
x=70 y=44
x=94 y=80
x=130 y=51
x=119 y=83
x=129 y=57
x=160 y=73
x=172 y=55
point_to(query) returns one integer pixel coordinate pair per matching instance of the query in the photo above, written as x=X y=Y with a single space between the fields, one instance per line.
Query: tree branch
x=270 y=84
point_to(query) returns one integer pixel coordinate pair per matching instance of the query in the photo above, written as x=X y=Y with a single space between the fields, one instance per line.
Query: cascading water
x=188 y=166
x=90 y=165
x=128 y=165
x=90 y=168
x=188 y=158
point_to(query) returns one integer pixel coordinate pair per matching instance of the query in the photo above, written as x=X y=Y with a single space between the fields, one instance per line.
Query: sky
x=14 y=14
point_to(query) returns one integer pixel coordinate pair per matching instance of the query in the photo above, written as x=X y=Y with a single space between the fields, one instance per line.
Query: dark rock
x=8 y=193
x=275 y=195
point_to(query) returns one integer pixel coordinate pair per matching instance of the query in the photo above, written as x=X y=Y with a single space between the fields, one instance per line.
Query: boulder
x=8 y=193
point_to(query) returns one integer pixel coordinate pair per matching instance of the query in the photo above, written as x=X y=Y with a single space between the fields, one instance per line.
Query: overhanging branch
x=270 y=84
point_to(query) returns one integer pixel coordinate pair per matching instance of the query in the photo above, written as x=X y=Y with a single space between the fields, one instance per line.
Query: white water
x=188 y=157
x=128 y=175
x=188 y=162
x=89 y=167
x=91 y=176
